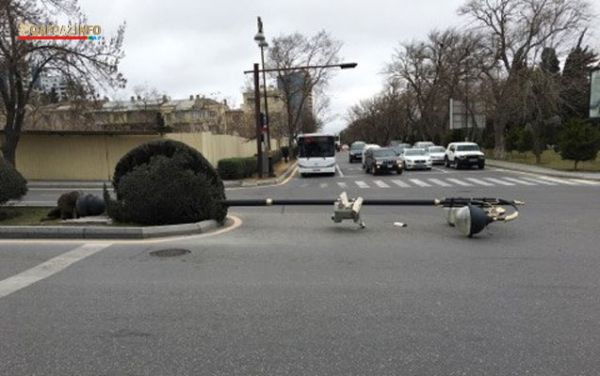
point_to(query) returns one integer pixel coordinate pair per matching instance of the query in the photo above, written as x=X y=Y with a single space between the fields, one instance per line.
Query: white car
x=437 y=154
x=423 y=144
x=415 y=158
x=367 y=147
x=460 y=154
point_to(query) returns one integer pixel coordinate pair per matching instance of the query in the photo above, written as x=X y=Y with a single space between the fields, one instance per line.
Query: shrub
x=187 y=157
x=237 y=168
x=231 y=168
x=175 y=185
x=250 y=167
x=13 y=185
x=579 y=141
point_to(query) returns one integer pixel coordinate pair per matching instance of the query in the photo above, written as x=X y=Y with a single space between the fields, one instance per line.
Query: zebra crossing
x=502 y=181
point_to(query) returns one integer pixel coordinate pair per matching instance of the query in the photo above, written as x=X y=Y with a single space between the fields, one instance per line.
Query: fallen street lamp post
x=468 y=215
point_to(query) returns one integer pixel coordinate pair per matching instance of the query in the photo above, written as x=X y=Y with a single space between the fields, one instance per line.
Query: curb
x=540 y=170
x=259 y=183
x=103 y=232
x=68 y=184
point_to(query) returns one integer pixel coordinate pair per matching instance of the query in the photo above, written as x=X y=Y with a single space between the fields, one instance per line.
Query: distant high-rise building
x=294 y=85
x=52 y=83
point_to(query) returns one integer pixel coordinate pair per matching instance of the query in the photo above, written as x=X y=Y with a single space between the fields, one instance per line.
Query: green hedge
x=236 y=168
x=240 y=168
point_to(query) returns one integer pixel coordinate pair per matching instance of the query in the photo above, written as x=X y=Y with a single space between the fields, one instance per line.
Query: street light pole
x=259 y=154
x=261 y=40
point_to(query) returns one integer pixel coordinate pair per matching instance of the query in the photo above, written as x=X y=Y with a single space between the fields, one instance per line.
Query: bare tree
x=92 y=64
x=298 y=85
x=517 y=31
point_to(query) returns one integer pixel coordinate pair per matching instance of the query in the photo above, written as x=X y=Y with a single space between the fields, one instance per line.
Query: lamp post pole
x=262 y=43
x=259 y=154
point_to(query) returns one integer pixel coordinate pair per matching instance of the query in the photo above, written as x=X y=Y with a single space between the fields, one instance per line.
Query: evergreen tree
x=575 y=82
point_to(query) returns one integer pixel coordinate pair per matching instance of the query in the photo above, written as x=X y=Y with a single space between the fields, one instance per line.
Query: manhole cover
x=171 y=252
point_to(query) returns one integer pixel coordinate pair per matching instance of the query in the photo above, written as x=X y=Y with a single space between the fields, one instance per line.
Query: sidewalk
x=542 y=170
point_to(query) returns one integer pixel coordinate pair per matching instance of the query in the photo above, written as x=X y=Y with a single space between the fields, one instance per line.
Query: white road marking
x=498 y=181
x=381 y=184
x=342 y=184
x=400 y=183
x=323 y=185
x=480 y=182
x=560 y=181
x=303 y=185
x=439 y=182
x=587 y=182
x=339 y=170
x=519 y=181
x=362 y=184
x=459 y=182
x=420 y=183
x=48 y=268
x=540 y=181
x=442 y=170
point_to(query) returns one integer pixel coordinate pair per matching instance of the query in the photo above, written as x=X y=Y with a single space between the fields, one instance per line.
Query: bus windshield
x=316 y=146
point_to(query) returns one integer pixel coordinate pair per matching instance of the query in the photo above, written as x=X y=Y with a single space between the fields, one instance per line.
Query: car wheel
x=481 y=166
x=446 y=162
x=399 y=171
x=303 y=175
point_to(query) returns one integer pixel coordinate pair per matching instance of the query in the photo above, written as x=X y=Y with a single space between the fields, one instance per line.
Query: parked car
x=464 y=154
x=382 y=160
x=400 y=148
x=367 y=147
x=437 y=154
x=415 y=158
x=423 y=144
x=356 y=151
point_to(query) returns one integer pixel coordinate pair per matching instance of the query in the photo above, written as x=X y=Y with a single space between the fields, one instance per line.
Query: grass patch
x=25 y=216
x=551 y=159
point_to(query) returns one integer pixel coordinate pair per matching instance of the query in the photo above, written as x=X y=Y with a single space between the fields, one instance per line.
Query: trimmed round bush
x=188 y=158
x=176 y=185
x=13 y=185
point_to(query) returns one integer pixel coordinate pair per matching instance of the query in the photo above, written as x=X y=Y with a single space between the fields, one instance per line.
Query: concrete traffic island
x=110 y=232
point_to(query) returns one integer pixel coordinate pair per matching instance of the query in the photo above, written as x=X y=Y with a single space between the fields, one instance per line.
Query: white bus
x=316 y=153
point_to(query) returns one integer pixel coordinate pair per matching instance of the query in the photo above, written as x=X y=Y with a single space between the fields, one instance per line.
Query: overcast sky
x=185 y=47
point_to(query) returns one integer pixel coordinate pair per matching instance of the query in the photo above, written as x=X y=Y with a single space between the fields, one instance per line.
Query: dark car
x=382 y=160
x=355 y=153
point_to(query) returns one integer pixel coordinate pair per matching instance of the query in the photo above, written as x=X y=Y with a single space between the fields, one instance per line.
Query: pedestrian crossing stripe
x=342 y=184
x=498 y=181
x=561 y=181
x=420 y=183
x=323 y=185
x=400 y=183
x=459 y=182
x=586 y=182
x=440 y=182
x=539 y=181
x=518 y=181
x=361 y=184
x=381 y=184
x=480 y=182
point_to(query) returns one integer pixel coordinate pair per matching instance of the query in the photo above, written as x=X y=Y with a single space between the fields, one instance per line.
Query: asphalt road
x=291 y=293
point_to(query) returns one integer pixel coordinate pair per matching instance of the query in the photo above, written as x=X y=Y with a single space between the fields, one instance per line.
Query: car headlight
x=378 y=163
x=461 y=157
